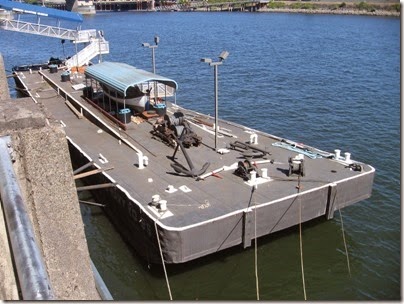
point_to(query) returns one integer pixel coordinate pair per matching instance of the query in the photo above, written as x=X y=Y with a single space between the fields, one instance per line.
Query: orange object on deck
x=80 y=69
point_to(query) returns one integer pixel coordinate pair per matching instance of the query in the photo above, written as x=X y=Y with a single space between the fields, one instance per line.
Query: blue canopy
x=40 y=10
x=120 y=76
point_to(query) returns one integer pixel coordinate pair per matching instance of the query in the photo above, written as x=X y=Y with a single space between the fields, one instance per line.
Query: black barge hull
x=202 y=216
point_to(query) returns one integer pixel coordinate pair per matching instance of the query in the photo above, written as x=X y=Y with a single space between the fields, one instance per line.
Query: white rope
x=343 y=237
x=162 y=261
x=301 y=241
x=255 y=252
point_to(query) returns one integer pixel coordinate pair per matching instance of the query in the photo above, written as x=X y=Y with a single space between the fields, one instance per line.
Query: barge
x=171 y=194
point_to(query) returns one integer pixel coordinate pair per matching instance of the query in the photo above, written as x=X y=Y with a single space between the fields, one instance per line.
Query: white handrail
x=96 y=47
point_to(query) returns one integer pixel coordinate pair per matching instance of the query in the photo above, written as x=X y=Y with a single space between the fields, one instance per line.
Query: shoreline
x=330 y=12
x=315 y=11
x=388 y=9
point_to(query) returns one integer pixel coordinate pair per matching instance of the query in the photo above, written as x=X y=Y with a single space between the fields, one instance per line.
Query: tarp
x=40 y=10
x=120 y=76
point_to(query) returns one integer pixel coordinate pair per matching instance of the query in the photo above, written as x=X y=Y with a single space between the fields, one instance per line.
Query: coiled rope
x=162 y=262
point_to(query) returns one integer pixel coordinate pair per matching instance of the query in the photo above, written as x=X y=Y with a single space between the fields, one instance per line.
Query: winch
x=296 y=165
x=168 y=128
x=244 y=168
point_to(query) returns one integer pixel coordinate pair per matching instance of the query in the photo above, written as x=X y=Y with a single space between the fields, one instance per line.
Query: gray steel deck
x=327 y=185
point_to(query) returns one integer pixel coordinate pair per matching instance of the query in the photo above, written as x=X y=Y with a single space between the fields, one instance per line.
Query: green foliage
x=217 y=1
x=308 y=5
x=342 y=5
x=364 y=6
x=276 y=4
x=396 y=7
x=300 y=5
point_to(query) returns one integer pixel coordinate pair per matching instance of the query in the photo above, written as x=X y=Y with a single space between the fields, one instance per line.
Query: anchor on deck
x=187 y=138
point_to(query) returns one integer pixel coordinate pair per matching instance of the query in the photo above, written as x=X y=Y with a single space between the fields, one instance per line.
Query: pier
x=152 y=5
x=249 y=6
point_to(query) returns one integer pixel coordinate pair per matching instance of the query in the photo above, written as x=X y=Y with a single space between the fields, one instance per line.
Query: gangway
x=97 y=44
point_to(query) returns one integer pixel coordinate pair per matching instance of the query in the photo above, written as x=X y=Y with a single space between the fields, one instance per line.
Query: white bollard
x=253 y=176
x=163 y=205
x=254 y=139
x=337 y=153
x=155 y=199
x=145 y=161
x=140 y=160
x=347 y=157
x=264 y=172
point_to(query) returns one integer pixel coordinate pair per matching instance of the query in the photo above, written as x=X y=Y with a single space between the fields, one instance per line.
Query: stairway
x=97 y=46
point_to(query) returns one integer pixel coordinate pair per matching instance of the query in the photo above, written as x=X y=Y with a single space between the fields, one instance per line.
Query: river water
x=328 y=81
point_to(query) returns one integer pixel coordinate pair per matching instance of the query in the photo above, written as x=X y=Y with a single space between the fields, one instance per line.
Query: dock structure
x=38 y=187
x=112 y=5
x=151 y=5
x=125 y=5
x=96 y=44
x=156 y=187
x=241 y=5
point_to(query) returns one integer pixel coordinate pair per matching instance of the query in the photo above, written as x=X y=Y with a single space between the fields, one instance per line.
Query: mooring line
x=162 y=261
x=300 y=237
x=256 y=251
x=343 y=237
x=343 y=234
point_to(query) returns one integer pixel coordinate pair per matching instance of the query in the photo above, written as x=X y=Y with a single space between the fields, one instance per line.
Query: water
x=327 y=81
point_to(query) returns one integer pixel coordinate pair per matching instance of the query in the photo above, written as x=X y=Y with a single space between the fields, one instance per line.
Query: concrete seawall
x=45 y=176
x=4 y=91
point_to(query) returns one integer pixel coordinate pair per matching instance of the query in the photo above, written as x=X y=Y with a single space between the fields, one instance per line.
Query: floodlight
x=223 y=55
x=207 y=60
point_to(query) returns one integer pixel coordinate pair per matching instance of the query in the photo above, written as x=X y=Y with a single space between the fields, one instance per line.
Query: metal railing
x=96 y=47
x=48 y=30
x=38 y=29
